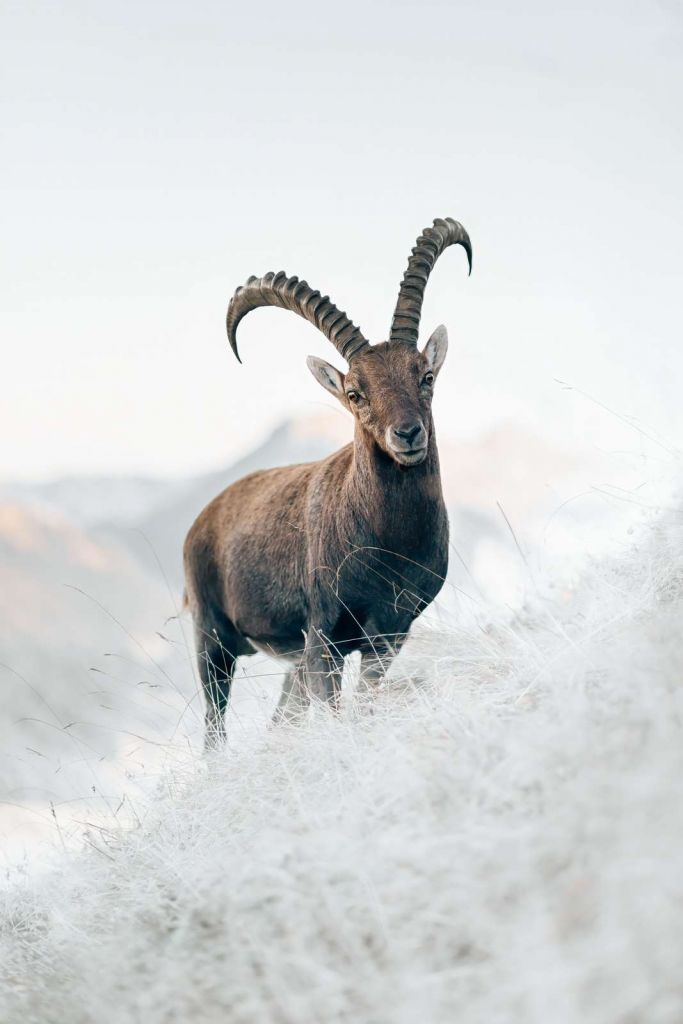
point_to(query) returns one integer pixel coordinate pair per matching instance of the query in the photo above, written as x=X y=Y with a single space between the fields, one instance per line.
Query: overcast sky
x=156 y=154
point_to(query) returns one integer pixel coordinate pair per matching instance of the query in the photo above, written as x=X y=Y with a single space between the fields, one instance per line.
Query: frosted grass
x=496 y=837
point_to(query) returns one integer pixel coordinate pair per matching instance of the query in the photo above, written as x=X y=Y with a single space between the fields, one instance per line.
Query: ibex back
x=316 y=561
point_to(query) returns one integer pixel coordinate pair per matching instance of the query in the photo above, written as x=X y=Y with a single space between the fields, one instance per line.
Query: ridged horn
x=291 y=293
x=429 y=246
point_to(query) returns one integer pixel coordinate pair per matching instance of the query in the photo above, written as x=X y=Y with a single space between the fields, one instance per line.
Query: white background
x=157 y=154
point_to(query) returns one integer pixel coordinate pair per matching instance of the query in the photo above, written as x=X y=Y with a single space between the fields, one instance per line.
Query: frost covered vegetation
x=500 y=840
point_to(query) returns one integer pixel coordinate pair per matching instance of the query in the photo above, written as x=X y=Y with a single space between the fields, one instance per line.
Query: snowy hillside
x=500 y=841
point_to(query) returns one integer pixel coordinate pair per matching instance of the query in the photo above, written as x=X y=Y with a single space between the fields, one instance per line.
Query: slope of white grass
x=500 y=841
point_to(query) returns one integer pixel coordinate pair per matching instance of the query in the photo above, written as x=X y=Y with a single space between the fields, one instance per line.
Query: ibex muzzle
x=346 y=552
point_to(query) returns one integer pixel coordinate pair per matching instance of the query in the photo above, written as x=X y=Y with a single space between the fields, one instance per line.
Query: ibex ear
x=436 y=348
x=330 y=378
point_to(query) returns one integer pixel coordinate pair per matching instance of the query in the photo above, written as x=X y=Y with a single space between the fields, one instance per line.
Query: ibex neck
x=400 y=505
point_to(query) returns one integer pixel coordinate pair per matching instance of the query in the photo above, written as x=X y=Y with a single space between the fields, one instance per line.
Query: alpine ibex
x=315 y=561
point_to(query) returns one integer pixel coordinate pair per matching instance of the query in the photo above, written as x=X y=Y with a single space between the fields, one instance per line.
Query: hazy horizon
x=160 y=155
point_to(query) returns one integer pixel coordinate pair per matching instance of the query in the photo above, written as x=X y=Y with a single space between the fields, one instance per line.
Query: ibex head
x=388 y=387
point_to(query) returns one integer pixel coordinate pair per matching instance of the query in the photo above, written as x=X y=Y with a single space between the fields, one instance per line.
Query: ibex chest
x=396 y=567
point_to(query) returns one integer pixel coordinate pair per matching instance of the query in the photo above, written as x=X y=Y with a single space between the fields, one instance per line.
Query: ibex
x=313 y=562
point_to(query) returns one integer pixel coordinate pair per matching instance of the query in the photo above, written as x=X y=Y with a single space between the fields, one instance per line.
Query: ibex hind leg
x=218 y=646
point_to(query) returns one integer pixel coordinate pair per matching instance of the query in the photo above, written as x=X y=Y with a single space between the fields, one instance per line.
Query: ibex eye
x=428 y=379
x=352 y=396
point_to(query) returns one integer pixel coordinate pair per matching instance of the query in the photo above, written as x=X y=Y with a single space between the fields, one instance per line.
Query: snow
x=496 y=837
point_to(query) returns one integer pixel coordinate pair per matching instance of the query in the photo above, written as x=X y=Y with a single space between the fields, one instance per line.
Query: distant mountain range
x=90 y=570
x=150 y=518
x=86 y=501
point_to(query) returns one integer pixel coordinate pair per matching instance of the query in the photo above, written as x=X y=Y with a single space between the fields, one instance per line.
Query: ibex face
x=388 y=388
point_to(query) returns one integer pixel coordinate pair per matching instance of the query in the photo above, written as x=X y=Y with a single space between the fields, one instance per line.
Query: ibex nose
x=408 y=432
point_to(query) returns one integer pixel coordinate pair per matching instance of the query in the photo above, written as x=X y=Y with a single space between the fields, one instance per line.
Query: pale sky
x=156 y=154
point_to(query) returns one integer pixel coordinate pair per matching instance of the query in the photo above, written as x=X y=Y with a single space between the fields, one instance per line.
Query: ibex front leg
x=294 y=699
x=320 y=671
x=377 y=654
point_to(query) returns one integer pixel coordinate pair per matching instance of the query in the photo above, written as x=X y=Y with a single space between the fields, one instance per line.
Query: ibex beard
x=313 y=562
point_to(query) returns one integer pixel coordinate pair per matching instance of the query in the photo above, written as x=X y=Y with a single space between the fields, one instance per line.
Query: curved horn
x=428 y=248
x=291 y=293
